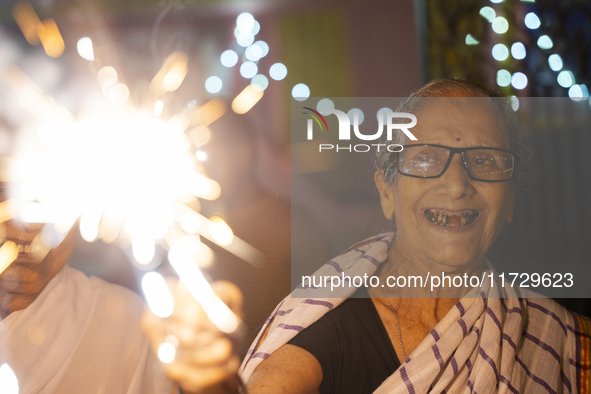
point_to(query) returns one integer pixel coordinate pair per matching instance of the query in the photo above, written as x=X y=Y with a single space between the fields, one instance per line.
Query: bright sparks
x=128 y=175
x=246 y=100
x=8 y=253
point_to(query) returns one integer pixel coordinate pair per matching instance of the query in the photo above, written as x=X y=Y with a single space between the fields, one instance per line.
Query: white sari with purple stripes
x=485 y=344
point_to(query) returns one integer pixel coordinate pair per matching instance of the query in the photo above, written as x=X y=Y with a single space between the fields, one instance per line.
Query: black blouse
x=352 y=346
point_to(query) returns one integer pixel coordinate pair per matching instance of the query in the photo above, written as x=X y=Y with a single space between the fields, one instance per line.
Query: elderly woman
x=449 y=194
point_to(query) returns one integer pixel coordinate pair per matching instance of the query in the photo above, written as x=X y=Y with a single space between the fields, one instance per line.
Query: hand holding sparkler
x=196 y=354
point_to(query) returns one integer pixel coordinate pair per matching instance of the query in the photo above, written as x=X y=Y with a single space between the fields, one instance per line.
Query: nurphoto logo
x=392 y=122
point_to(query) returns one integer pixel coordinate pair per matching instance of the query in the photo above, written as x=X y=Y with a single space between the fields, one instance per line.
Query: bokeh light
x=157 y=294
x=8 y=380
x=246 y=99
x=256 y=28
x=278 y=71
x=259 y=82
x=166 y=353
x=360 y=115
x=555 y=62
x=245 y=22
x=253 y=52
x=578 y=92
x=248 y=69
x=503 y=78
x=518 y=51
x=500 y=52
x=519 y=80
x=532 y=21
x=382 y=113
x=244 y=39
x=229 y=58
x=471 y=40
x=565 y=79
x=514 y=102
x=545 y=42
x=300 y=92
x=264 y=46
x=500 y=25
x=488 y=13
x=85 y=50
x=323 y=105
x=213 y=84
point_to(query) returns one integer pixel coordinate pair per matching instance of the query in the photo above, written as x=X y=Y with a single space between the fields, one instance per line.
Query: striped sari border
x=583 y=329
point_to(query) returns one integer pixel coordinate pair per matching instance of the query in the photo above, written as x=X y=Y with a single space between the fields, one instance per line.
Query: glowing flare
x=89 y=225
x=264 y=47
x=158 y=108
x=27 y=20
x=192 y=277
x=166 y=353
x=190 y=222
x=106 y=76
x=8 y=380
x=246 y=100
x=119 y=94
x=208 y=113
x=8 y=253
x=221 y=232
x=245 y=22
x=203 y=187
x=143 y=249
x=50 y=37
x=171 y=74
x=85 y=49
x=200 y=135
x=157 y=294
x=221 y=315
x=180 y=258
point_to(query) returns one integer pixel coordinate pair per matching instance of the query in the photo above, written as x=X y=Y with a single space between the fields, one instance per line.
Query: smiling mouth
x=458 y=219
x=33 y=247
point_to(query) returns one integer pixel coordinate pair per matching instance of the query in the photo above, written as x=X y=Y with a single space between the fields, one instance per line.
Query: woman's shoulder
x=548 y=315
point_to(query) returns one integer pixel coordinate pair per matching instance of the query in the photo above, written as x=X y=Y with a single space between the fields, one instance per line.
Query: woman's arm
x=290 y=369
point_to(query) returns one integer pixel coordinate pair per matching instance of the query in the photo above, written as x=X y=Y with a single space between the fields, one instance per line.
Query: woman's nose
x=456 y=182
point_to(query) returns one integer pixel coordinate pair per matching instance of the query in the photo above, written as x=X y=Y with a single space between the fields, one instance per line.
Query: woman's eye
x=426 y=159
x=485 y=161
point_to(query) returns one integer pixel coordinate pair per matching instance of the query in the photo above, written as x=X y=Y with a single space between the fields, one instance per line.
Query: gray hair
x=449 y=87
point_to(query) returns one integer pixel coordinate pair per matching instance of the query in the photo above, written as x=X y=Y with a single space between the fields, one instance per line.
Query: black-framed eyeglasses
x=431 y=161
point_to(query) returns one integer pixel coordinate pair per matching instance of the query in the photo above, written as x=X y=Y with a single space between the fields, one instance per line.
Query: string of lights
x=500 y=52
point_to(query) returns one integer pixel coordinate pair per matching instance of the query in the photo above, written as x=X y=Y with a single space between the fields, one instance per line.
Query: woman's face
x=460 y=123
x=27 y=276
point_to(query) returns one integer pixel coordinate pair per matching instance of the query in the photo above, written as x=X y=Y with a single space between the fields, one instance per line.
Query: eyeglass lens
x=430 y=161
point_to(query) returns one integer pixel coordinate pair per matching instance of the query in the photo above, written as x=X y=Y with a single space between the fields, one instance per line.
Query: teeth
x=442 y=219
x=32 y=248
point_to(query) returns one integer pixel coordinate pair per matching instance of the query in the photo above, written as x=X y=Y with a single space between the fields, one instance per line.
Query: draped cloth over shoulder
x=485 y=344
x=81 y=335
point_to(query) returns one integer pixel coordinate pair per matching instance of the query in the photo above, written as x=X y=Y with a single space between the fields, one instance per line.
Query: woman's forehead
x=460 y=122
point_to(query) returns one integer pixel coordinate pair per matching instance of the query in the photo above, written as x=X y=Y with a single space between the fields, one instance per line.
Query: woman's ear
x=386 y=194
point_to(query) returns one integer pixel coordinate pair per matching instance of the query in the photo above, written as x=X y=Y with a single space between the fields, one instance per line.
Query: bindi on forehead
x=458 y=139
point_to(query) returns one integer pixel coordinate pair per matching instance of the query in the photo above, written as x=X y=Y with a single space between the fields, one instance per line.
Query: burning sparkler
x=124 y=173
